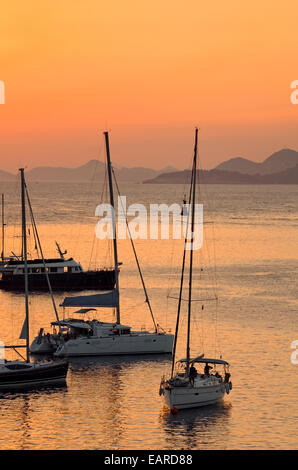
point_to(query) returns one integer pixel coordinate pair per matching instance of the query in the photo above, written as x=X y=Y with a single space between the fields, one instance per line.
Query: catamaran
x=19 y=375
x=80 y=337
x=188 y=387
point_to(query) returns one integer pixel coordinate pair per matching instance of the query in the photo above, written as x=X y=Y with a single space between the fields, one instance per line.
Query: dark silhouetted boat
x=20 y=375
x=65 y=274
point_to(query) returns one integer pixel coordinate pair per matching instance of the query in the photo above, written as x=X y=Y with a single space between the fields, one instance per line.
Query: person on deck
x=207 y=369
x=192 y=374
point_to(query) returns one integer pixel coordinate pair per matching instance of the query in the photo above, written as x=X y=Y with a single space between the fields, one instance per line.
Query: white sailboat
x=82 y=337
x=20 y=375
x=187 y=387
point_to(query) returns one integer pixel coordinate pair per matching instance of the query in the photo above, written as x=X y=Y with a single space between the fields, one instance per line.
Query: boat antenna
x=106 y=134
x=61 y=253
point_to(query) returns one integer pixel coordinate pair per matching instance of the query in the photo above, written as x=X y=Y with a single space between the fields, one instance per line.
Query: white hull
x=193 y=397
x=151 y=343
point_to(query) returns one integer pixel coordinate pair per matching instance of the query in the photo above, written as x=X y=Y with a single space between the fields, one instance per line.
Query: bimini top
x=72 y=323
x=205 y=360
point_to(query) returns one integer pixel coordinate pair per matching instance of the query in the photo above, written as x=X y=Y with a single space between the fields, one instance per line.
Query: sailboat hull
x=116 y=345
x=29 y=376
x=193 y=397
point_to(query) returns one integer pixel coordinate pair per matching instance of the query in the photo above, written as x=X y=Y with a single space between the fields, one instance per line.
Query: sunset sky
x=148 y=71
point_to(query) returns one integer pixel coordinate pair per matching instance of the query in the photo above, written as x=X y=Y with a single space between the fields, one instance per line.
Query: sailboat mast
x=182 y=279
x=106 y=134
x=191 y=251
x=24 y=244
x=3 y=228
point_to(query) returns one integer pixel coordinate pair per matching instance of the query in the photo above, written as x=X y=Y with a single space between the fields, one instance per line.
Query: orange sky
x=149 y=71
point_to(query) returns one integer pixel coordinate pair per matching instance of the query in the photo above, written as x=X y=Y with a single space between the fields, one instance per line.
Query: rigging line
x=94 y=236
x=193 y=300
x=34 y=235
x=191 y=251
x=173 y=272
x=136 y=257
x=186 y=182
x=217 y=342
x=182 y=275
x=213 y=277
x=43 y=260
x=87 y=199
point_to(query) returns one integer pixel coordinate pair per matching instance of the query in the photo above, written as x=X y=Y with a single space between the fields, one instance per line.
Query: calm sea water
x=249 y=259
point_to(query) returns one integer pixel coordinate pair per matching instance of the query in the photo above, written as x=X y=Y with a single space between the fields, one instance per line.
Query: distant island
x=279 y=168
x=92 y=171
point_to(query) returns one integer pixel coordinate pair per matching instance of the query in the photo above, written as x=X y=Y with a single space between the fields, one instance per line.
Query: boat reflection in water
x=113 y=381
x=21 y=409
x=198 y=428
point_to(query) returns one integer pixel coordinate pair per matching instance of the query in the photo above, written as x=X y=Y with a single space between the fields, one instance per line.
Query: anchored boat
x=65 y=274
x=79 y=336
x=20 y=375
x=188 y=387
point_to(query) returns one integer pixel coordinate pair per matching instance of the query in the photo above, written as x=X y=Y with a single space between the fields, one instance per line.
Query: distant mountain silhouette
x=280 y=168
x=92 y=170
x=277 y=162
x=289 y=176
x=82 y=173
x=5 y=176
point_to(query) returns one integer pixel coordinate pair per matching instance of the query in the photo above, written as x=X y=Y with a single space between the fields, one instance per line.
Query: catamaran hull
x=193 y=397
x=117 y=345
x=103 y=280
x=34 y=377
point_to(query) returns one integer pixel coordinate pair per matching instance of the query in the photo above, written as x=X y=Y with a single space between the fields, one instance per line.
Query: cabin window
x=53 y=270
x=35 y=270
x=69 y=269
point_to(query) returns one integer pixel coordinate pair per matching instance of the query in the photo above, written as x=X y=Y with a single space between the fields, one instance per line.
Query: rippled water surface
x=113 y=403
